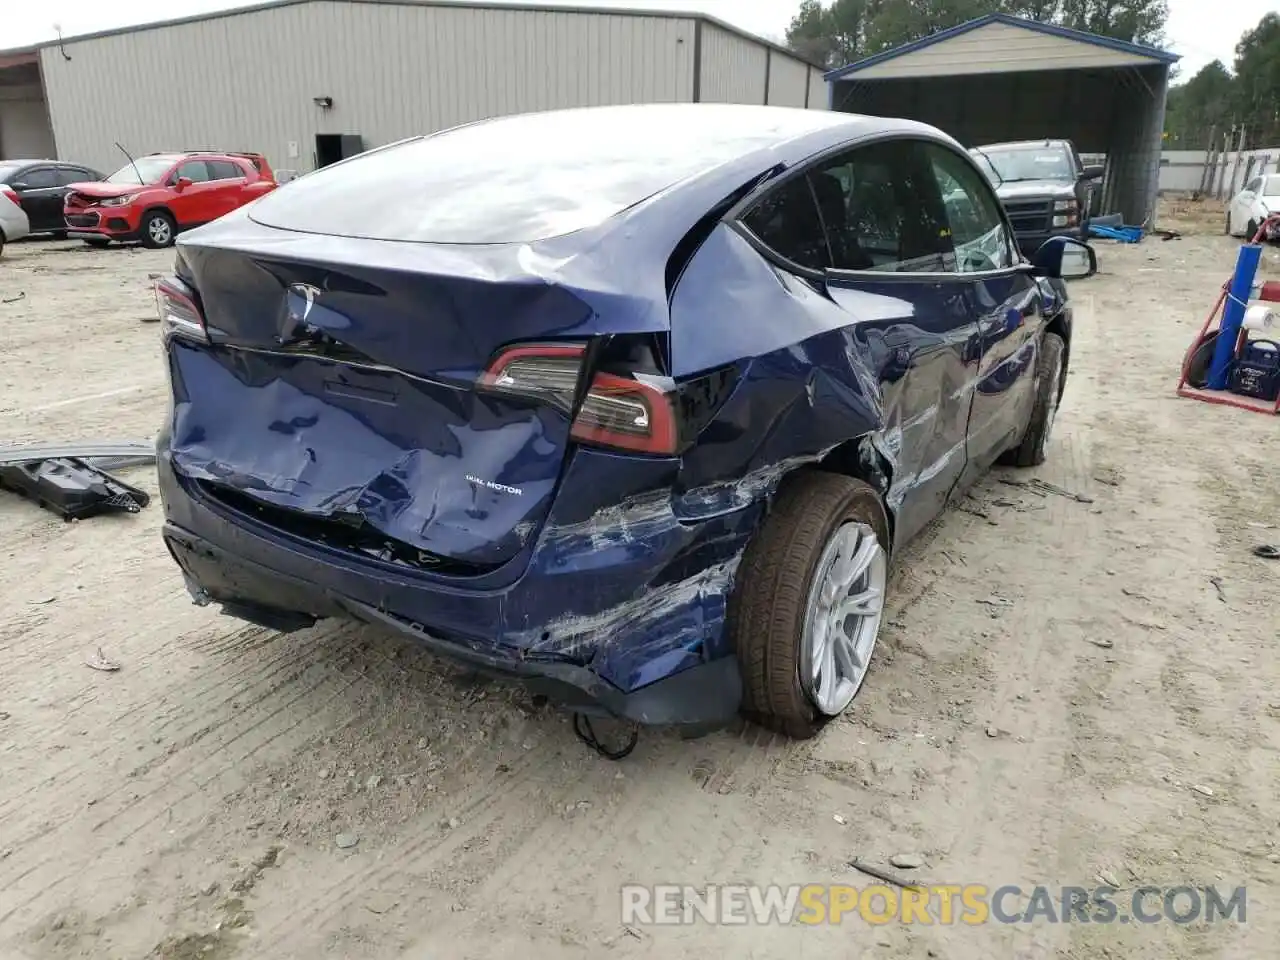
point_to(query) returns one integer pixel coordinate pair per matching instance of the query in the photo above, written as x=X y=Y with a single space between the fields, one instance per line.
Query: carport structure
x=1002 y=78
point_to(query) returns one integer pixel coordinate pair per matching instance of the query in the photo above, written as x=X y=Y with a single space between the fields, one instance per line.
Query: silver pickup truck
x=1045 y=188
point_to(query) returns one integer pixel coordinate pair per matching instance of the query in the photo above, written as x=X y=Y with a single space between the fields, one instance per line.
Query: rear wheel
x=1031 y=451
x=157 y=229
x=807 y=607
x=99 y=242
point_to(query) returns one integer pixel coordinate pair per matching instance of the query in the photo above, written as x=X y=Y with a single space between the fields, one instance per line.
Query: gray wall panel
x=246 y=81
x=733 y=67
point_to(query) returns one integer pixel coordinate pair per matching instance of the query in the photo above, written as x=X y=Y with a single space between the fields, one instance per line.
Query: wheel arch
x=1060 y=325
x=860 y=459
x=156 y=208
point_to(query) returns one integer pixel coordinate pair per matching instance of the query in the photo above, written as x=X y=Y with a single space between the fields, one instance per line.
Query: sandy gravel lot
x=187 y=806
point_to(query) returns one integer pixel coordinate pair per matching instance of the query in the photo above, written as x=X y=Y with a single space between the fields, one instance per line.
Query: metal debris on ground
x=22 y=295
x=881 y=874
x=994 y=601
x=1102 y=642
x=1044 y=488
x=1217 y=585
x=100 y=661
x=1267 y=551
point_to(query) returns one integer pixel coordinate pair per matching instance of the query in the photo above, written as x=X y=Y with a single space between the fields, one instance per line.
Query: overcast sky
x=1198 y=30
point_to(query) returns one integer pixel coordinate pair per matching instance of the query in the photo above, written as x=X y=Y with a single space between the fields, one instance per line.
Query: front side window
x=787 y=222
x=978 y=234
x=882 y=210
x=197 y=171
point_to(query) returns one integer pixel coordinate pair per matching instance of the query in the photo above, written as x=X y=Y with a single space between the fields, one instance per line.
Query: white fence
x=1184 y=171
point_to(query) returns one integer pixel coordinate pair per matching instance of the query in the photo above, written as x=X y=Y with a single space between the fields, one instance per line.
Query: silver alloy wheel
x=842 y=617
x=1051 y=402
x=159 y=230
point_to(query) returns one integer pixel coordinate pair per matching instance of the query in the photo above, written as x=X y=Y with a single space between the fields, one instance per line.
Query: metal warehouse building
x=308 y=81
x=1003 y=78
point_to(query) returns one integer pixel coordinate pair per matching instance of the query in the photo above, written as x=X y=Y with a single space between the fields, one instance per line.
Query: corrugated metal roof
x=476 y=4
x=1152 y=54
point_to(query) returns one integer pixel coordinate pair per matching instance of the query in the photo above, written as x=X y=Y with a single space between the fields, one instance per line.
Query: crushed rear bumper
x=700 y=697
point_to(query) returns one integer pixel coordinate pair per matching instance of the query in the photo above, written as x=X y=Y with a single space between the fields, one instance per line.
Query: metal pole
x=1238 y=293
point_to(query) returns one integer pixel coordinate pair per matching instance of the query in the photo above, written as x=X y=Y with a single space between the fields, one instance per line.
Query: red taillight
x=628 y=414
x=540 y=371
x=9 y=192
x=617 y=411
x=179 y=313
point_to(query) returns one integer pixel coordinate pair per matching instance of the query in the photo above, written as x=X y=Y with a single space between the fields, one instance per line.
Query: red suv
x=155 y=197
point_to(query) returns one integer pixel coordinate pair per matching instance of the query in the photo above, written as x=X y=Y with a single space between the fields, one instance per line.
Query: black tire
x=99 y=243
x=767 y=610
x=1030 y=452
x=146 y=227
x=1252 y=231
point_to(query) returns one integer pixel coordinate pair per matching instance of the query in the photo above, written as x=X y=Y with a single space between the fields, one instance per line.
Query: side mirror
x=182 y=183
x=1065 y=258
x=1093 y=171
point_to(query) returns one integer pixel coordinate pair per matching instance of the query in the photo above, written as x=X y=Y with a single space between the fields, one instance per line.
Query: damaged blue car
x=631 y=403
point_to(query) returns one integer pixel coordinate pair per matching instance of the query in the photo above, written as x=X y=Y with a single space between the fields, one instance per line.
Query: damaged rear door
x=893 y=270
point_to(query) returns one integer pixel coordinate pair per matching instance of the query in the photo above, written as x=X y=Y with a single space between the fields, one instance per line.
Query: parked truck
x=1044 y=186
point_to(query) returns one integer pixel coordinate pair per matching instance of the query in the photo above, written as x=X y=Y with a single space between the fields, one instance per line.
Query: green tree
x=1257 y=82
x=1197 y=106
x=1137 y=21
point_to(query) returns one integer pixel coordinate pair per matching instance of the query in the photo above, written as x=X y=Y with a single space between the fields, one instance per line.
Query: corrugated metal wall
x=788 y=81
x=1117 y=112
x=25 y=132
x=733 y=68
x=818 y=92
x=247 y=81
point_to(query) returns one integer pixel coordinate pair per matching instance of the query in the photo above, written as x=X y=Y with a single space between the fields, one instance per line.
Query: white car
x=1252 y=205
x=13 y=221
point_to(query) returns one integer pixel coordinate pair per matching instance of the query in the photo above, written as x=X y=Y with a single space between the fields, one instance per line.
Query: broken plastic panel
x=71 y=487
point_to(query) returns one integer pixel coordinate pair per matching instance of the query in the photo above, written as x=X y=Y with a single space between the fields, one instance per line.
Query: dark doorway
x=332 y=147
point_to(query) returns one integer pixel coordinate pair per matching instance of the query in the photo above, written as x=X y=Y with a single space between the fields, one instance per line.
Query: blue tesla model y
x=631 y=403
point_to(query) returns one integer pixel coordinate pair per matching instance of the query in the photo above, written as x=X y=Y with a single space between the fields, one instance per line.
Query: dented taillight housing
x=623 y=411
x=180 y=314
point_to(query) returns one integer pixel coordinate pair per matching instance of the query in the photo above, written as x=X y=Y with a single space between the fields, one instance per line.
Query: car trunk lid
x=341 y=402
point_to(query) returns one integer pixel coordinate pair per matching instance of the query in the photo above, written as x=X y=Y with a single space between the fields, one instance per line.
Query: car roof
x=531 y=177
x=1011 y=144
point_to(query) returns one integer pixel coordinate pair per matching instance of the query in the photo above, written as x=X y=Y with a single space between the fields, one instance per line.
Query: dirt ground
x=1065 y=691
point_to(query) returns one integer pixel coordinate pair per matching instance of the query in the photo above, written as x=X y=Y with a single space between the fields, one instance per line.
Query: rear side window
x=68 y=175
x=882 y=209
x=224 y=170
x=37 y=178
x=787 y=222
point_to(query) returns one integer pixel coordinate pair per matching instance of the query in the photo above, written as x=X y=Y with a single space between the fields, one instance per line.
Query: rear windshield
x=518 y=179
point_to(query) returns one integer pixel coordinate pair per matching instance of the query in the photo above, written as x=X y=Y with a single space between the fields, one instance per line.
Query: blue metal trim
x=1152 y=53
